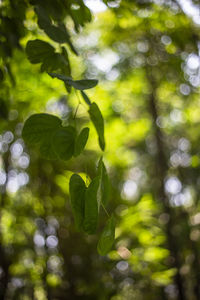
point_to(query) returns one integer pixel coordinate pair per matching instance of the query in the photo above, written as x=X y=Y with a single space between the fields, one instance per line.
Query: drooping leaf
x=39 y=127
x=84 y=84
x=64 y=142
x=91 y=207
x=77 y=191
x=38 y=51
x=104 y=185
x=85 y=97
x=107 y=237
x=97 y=120
x=81 y=141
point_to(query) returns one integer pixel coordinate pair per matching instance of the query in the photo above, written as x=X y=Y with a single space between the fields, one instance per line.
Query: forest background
x=145 y=55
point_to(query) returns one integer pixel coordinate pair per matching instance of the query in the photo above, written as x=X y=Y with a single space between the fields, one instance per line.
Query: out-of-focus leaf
x=57 y=62
x=57 y=33
x=77 y=191
x=107 y=237
x=81 y=141
x=38 y=51
x=85 y=97
x=97 y=120
x=64 y=142
x=104 y=184
x=41 y=52
x=80 y=16
x=84 y=84
x=91 y=207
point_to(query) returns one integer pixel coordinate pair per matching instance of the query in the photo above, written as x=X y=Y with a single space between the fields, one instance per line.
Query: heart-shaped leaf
x=38 y=127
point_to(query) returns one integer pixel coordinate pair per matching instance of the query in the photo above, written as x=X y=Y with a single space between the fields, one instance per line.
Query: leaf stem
x=76 y=111
x=105 y=210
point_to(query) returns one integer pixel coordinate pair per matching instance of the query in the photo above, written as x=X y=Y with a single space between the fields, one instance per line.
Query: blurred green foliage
x=145 y=55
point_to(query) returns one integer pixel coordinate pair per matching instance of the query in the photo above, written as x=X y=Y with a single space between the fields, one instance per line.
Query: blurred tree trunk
x=162 y=169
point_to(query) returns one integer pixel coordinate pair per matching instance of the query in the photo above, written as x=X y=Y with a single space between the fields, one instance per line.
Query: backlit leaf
x=77 y=190
x=91 y=207
x=104 y=184
x=97 y=120
x=107 y=237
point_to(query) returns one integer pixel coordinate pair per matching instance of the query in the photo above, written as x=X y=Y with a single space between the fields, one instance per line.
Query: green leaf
x=97 y=119
x=57 y=62
x=39 y=127
x=41 y=52
x=85 y=97
x=57 y=33
x=81 y=141
x=64 y=142
x=38 y=51
x=104 y=183
x=91 y=207
x=77 y=191
x=107 y=237
x=39 y=130
x=46 y=149
x=84 y=84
